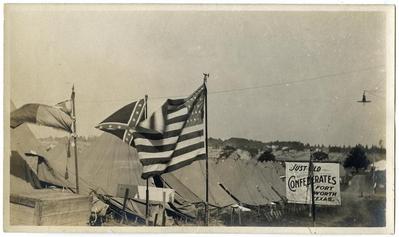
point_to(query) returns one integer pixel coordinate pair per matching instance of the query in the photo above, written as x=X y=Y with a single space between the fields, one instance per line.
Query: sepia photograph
x=199 y=118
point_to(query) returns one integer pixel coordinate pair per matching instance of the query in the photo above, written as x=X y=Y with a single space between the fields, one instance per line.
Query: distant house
x=274 y=147
x=285 y=148
x=379 y=175
x=320 y=156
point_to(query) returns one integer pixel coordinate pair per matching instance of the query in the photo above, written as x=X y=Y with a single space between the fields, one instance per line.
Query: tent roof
x=24 y=167
x=109 y=162
x=181 y=189
x=105 y=164
x=22 y=177
x=273 y=171
x=251 y=182
x=56 y=158
x=193 y=177
x=235 y=181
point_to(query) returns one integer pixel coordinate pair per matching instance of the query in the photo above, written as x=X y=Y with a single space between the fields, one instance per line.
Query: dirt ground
x=354 y=212
x=360 y=207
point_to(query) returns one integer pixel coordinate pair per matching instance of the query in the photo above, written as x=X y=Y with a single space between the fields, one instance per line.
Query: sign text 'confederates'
x=325 y=180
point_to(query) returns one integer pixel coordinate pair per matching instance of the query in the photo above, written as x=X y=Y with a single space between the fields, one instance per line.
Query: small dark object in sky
x=364 y=99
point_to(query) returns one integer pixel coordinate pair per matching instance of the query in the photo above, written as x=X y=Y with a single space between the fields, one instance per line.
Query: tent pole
x=239 y=215
x=124 y=205
x=163 y=207
x=146 y=203
x=206 y=150
x=146 y=190
x=75 y=139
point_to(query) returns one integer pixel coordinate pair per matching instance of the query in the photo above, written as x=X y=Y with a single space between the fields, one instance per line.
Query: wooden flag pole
x=75 y=138
x=147 y=192
x=206 y=75
x=311 y=169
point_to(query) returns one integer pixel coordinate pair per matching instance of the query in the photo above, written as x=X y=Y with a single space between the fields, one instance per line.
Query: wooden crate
x=49 y=208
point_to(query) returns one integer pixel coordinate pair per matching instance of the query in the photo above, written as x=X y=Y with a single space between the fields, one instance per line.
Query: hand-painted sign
x=325 y=180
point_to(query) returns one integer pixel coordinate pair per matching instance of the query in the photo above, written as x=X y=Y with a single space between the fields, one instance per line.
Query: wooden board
x=49 y=208
x=121 y=189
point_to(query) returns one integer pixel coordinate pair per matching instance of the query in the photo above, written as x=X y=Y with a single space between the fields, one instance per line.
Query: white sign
x=156 y=194
x=326 y=183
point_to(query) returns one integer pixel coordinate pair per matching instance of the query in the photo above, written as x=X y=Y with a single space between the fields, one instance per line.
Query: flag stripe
x=170 y=134
x=174 y=126
x=158 y=169
x=178 y=119
x=155 y=149
x=177 y=113
x=182 y=141
x=173 y=136
x=185 y=157
x=157 y=136
x=175 y=102
x=168 y=141
x=181 y=148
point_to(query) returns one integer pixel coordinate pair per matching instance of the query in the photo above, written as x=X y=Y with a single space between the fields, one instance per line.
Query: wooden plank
x=37 y=196
x=21 y=215
x=121 y=189
x=50 y=208
x=81 y=217
x=21 y=200
x=37 y=213
x=65 y=212
x=87 y=210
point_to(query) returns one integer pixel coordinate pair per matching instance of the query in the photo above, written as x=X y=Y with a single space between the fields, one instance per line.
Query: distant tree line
x=255 y=147
x=295 y=145
x=57 y=140
x=366 y=148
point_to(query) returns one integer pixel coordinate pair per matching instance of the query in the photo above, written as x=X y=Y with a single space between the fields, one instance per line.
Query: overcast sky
x=285 y=75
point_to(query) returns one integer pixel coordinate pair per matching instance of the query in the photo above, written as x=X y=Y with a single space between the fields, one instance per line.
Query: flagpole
x=75 y=139
x=206 y=150
x=311 y=172
x=146 y=190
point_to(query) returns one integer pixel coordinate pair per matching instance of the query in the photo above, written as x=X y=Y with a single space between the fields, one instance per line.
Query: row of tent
x=109 y=162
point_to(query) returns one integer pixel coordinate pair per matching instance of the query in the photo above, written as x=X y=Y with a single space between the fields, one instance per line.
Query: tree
x=357 y=158
x=381 y=143
x=266 y=156
x=226 y=151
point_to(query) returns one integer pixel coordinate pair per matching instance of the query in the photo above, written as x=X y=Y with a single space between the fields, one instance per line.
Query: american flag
x=173 y=136
x=123 y=122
